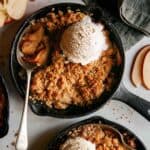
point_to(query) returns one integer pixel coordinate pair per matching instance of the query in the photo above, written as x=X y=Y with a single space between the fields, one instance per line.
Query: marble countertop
x=42 y=129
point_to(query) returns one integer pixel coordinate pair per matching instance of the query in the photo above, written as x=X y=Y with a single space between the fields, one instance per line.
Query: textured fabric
x=137 y=14
x=131 y=18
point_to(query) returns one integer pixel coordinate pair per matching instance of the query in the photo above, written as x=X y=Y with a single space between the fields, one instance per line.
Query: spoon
x=103 y=126
x=22 y=139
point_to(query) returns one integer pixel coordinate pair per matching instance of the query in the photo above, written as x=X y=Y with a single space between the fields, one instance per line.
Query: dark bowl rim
x=16 y=38
x=101 y=119
x=5 y=126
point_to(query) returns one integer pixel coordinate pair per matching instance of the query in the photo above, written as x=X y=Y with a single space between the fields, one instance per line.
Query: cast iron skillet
x=4 y=127
x=74 y=111
x=62 y=136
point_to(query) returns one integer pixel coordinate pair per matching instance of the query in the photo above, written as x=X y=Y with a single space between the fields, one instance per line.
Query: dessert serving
x=95 y=133
x=94 y=137
x=79 y=59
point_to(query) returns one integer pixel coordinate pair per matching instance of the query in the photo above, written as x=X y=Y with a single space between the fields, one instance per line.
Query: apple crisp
x=105 y=139
x=61 y=83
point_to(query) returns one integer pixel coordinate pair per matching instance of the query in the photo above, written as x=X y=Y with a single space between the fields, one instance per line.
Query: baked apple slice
x=41 y=57
x=29 y=46
x=146 y=70
x=136 y=72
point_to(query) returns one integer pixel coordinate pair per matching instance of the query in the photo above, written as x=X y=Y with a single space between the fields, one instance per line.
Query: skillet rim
x=20 y=90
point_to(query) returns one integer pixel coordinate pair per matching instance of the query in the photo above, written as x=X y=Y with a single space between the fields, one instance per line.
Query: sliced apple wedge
x=3 y=18
x=146 y=70
x=16 y=8
x=3 y=13
x=136 y=71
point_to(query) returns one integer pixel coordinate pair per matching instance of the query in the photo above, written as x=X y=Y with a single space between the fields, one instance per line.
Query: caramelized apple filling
x=4 y=17
x=35 y=45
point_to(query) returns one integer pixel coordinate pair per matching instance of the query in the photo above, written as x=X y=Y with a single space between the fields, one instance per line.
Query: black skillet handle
x=139 y=104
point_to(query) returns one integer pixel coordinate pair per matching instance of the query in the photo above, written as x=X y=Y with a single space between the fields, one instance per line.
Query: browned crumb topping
x=105 y=139
x=57 y=21
x=62 y=83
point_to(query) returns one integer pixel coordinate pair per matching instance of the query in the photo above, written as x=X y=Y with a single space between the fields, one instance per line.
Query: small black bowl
x=72 y=111
x=62 y=136
x=4 y=128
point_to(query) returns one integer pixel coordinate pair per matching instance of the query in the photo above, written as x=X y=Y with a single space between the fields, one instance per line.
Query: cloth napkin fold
x=131 y=18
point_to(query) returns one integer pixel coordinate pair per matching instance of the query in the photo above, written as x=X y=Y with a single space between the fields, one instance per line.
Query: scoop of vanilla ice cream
x=84 y=41
x=78 y=143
